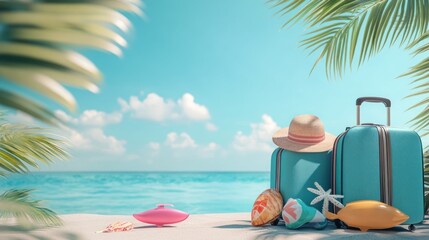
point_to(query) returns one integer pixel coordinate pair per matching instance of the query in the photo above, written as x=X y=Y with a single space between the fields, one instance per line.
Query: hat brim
x=280 y=138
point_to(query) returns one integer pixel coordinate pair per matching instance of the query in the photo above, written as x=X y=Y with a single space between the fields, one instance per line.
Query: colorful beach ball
x=267 y=207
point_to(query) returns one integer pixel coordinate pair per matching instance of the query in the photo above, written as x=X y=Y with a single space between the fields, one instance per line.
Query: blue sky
x=203 y=85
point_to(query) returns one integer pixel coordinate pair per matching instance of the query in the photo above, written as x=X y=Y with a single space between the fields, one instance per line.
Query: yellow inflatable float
x=369 y=214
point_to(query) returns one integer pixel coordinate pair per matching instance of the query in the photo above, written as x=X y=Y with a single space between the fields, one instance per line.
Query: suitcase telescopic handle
x=360 y=100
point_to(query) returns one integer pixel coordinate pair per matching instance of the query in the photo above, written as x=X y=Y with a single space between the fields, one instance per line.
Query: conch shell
x=267 y=207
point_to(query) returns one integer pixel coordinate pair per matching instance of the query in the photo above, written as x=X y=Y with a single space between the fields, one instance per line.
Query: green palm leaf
x=71 y=37
x=22 y=147
x=339 y=27
x=345 y=31
x=17 y=204
x=67 y=78
x=47 y=56
x=27 y=105
x=39 y=47
x=40 y=83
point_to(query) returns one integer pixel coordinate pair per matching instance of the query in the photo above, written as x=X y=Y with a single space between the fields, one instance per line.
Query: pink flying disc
x=161 y=215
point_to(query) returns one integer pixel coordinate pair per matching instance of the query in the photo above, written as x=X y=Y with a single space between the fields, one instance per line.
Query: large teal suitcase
x=293 y=172
x=377 y=162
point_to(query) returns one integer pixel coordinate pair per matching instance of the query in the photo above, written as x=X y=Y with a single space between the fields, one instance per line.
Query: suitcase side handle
x=360 y=100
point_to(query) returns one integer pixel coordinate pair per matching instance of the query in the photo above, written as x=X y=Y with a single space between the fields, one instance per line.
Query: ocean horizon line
x=90 y=171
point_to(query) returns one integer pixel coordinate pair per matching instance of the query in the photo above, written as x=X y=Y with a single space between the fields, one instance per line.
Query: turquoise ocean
x=124 y=193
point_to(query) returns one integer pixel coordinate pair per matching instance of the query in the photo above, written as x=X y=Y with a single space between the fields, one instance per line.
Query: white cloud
x=65 y=117
x=211 y=147
x=153 y=107
x=259 y=138
x=91 y=118
x=94 y=140
x=154 y=146
x=124 y=105
x=77 y=140
x=182 y=140
x=97 y=118
x=88 y=134
x=192 y=110
x=156 y=108
x=20 y=117
x=108 y=144
x=211 y=127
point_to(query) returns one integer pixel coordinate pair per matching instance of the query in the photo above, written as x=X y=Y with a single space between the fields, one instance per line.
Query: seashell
x=296 y=213
x=267 y=207
x=117 y=227
x=161 y=215
x=369 y=214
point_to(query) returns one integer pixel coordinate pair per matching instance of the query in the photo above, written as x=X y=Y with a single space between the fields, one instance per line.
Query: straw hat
x=304 y=134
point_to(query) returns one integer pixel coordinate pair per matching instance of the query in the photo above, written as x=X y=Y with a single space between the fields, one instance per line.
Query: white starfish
x=326 y=197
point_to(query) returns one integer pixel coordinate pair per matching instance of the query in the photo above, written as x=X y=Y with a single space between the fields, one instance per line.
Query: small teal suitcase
x=377 y=162
x=293 y=172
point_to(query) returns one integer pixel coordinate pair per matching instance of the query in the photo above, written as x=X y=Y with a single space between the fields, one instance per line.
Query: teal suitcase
x=293 y=172
x=377 y=162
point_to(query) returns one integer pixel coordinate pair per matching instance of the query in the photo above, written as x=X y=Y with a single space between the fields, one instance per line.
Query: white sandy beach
x=229 y=226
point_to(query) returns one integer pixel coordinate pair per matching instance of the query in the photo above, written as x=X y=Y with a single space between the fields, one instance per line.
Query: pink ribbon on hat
x=305 y=139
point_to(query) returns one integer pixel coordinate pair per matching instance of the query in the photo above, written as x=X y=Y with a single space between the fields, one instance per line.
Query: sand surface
x=234 y=226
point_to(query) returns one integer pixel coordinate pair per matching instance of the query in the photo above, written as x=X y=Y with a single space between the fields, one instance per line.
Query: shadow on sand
x=153 y=226
x=245 y=224
x=268 y=232
x=21 y=233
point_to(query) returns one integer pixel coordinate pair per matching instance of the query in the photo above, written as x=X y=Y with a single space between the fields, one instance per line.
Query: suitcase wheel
x=411 y=227
x=340 y=224
x=275 y=222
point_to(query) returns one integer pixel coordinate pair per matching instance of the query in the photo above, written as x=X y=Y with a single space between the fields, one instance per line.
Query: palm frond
x=39 y=45
x=420 y=75
x=339 y=28
x=314 y=12
x=18 y=204
x=22 y=147
x=345 y=31
x=27 y=105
